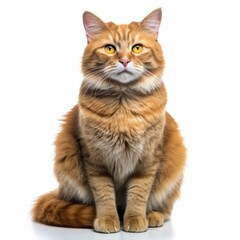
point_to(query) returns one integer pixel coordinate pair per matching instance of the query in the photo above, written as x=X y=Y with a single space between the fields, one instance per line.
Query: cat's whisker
x=147 y=73
x=94 y=81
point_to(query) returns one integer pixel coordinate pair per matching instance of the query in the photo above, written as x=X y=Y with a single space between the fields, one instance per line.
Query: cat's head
x=123 y=55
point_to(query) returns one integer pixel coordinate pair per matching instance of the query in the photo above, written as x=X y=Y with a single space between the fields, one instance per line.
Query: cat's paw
x=107 y=224
x=155 y=219
x=135 y=224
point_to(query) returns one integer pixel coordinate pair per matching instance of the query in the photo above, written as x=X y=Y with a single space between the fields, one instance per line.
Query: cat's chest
x=117 y=138
x=120 y=153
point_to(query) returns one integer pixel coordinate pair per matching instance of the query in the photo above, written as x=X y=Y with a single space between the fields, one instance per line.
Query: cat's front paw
x=135 y=224
x=107 y=224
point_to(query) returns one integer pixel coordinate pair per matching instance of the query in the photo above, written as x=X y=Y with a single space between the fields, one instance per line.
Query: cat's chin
x=125 y=77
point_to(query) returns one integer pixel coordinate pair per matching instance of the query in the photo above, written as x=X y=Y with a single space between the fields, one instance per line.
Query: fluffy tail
x=50 y=210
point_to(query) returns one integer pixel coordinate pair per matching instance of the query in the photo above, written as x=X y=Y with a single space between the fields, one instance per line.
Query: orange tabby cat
x=119 y=152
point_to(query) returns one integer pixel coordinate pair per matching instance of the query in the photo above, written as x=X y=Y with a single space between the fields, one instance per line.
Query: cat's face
x=123 y=54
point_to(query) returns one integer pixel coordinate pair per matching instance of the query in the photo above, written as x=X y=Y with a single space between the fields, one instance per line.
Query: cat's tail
x=50 y=210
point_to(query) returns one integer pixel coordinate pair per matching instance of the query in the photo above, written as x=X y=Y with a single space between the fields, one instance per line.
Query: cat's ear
x=151 y=22
x=92 y=24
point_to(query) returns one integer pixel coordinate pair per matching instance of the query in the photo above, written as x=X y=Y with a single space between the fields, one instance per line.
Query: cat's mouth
x=125 y=71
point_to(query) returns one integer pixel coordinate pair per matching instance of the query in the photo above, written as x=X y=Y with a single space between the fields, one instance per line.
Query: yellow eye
x=137 y=48
x=110 y=49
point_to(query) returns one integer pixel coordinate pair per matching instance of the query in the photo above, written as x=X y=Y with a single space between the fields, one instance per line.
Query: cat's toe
x=155 y=219
x=135 y=224
x=107 y=224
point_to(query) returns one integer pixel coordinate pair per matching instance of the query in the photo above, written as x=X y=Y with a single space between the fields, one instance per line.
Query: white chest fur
x=121 y=155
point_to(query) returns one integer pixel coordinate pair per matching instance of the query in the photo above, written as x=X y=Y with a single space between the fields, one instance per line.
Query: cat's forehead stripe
x=110 y=36
x=123 y=32
x=118 y=36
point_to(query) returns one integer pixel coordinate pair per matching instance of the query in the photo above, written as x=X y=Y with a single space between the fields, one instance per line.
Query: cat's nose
x=124 y=61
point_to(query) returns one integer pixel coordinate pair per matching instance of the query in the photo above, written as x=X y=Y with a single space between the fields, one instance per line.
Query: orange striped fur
x=119 y=154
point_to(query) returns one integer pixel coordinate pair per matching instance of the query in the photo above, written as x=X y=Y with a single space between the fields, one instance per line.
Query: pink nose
x=124 y=61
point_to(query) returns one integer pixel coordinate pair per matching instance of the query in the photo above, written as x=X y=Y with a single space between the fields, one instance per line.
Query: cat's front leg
x=135 y=219
x=107 y=220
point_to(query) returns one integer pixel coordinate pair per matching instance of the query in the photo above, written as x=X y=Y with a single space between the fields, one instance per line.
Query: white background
x=41 y=44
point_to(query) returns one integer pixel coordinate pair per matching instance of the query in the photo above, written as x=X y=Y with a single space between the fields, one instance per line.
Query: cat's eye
x=110 y=49
x=137 y=48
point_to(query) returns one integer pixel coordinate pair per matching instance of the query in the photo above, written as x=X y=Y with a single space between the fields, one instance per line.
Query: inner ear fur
x=93 y=25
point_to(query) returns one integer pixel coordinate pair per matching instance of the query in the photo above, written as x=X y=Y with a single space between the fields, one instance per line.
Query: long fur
x=119 y=153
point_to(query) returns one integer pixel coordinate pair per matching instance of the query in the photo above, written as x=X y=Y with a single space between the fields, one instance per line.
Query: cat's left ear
x=151 y=22
x=93 y=25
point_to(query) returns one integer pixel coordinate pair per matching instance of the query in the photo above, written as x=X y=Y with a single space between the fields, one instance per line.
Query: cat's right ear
x=93 y=25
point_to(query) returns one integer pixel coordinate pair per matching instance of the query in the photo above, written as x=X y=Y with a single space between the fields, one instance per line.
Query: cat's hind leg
x=160 y=204
x=155 y=219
